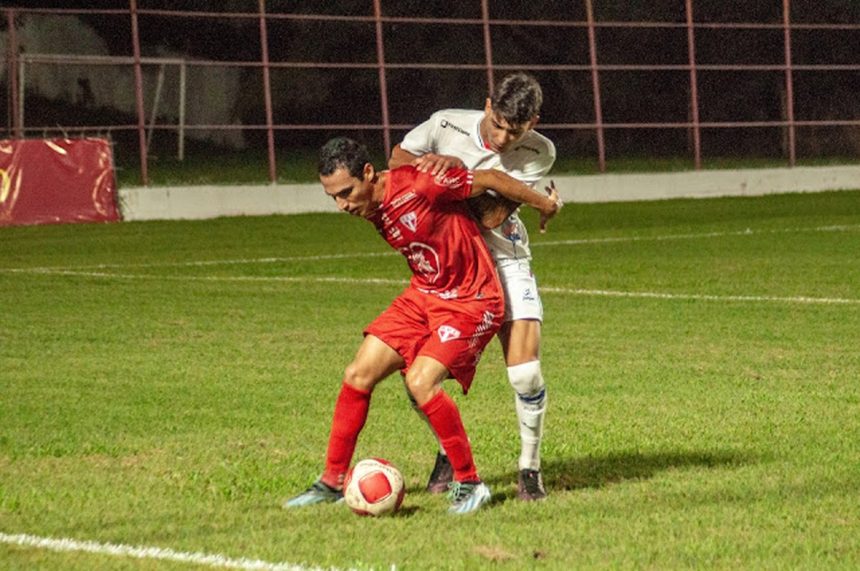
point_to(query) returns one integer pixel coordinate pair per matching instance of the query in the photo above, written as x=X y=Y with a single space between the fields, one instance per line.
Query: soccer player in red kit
x=438 y=326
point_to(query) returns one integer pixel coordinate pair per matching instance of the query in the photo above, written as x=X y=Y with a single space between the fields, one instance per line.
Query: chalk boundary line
x=550 y=243
x=808 y=300
x=805 y=300
x=159 y=553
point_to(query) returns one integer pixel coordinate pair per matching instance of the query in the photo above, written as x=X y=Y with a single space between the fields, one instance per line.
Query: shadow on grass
x=600 y=471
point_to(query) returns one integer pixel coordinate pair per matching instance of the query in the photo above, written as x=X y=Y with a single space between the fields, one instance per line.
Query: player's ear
x=369 y=172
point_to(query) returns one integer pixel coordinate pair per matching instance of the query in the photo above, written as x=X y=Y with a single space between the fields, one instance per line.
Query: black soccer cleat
x=442 y=475
x=530 y=485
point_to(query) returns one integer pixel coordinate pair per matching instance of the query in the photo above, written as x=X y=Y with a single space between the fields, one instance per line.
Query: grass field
x=166 y=385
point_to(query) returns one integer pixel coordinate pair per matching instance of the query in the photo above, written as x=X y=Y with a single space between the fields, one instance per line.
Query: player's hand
x=553 y=206
x=436 y=164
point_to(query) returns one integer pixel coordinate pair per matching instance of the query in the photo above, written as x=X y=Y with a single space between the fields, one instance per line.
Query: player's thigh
x=520 y=341
x=522 y=299
x=373 y=362
x=403 y=325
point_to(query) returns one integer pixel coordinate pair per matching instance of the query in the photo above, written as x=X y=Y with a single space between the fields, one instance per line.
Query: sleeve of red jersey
x=453 y=185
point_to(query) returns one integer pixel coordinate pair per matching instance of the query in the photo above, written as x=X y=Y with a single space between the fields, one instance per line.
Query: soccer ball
x=373 y=487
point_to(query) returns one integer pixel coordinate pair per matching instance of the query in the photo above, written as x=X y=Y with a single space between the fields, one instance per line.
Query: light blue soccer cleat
x=467 y=497
x=318 y=493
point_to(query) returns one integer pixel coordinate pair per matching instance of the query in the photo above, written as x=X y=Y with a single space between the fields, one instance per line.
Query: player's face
x=500 y=135
x=352 y=195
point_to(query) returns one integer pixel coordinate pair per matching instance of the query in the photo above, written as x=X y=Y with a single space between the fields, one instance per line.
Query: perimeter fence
x=693 y=80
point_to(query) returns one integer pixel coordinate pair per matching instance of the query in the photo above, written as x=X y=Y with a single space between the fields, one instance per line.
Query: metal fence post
x=488 y=44
x=383 y=88
x=789 y=82
x=138 y=93
x=694 y=87
x=595 y=87
x=267 y=93
x=12 y=60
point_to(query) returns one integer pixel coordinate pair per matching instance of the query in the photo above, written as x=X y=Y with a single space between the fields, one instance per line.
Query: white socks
x=530 y=400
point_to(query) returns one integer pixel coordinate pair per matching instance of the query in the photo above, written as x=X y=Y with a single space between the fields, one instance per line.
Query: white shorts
x=522 y=300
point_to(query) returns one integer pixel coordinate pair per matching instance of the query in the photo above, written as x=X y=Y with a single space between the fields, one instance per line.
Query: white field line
x=383 y=281
x=203 y=263
x=546 y=289
x=666 y=237
x=703 y=297
x=356 y=255
x=142 y=552
x=276 y=279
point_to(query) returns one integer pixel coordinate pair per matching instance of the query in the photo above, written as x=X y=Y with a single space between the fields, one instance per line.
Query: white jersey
x=457 y=132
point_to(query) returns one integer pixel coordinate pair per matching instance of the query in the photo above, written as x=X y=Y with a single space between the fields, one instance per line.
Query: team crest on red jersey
x=448 y=333
x=410 y=220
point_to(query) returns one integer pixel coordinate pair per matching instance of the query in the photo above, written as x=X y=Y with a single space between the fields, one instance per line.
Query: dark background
x=349 y=96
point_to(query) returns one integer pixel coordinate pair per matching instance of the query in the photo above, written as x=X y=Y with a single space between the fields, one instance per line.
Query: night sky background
x=628 y=96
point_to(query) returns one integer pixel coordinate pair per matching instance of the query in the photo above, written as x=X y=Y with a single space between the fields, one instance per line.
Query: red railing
x=596 y=70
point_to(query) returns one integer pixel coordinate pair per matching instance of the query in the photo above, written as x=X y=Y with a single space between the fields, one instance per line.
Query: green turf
x=148 y=400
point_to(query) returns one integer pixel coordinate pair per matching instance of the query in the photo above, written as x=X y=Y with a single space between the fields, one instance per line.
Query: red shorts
x=454 y=332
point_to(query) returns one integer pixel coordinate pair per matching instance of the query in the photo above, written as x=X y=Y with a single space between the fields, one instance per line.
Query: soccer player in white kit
x=501 y=137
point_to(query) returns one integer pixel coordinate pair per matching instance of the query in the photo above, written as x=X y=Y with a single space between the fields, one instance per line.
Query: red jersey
x=425 y=219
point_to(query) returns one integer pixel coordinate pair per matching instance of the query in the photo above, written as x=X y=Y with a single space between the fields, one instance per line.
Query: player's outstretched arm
x=429 y=162
x=399 y=157
x=547 y=204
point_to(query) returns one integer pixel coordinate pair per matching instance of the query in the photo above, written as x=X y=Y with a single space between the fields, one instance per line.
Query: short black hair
x=343 y=152
x=517 y=98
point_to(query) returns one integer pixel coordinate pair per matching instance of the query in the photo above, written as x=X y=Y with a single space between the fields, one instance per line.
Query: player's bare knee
x=358 y=377
x=420 y=386
x=527 y=380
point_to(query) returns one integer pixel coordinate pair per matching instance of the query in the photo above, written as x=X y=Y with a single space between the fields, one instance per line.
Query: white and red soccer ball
x=373 y=487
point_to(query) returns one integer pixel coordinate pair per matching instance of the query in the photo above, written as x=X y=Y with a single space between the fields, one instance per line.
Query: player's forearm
x=510 y=188
x=399 y=157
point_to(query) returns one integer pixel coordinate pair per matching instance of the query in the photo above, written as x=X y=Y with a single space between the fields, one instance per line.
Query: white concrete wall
x=195 y=202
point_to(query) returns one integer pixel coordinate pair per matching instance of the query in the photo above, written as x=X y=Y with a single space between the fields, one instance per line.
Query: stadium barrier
x=44 y=181
x=199 y=202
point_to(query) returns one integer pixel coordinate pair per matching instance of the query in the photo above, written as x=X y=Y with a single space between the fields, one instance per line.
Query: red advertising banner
x=48 y=181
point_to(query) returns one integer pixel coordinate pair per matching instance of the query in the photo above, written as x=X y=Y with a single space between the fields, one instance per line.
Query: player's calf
x=530 y=401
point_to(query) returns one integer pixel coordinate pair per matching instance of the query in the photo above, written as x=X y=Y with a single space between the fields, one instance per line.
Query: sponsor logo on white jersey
x=447 y=124
x=447 y=333
x=410 y=220
x=528 y=148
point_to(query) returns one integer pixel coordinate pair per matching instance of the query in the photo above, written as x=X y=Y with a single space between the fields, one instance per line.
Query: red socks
x=350 y=413
x=445 y=419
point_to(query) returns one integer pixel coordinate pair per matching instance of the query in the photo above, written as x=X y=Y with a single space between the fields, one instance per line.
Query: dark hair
x=517 y=98
x=342 y=152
